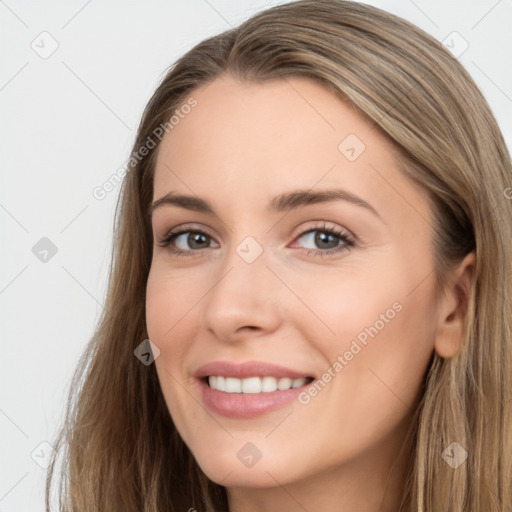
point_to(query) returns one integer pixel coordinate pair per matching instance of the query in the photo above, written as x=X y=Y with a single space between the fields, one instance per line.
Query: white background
x=67 y=124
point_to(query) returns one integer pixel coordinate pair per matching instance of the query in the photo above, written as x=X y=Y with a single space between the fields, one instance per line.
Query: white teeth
x=268 y=384
x=298 y=382
x=253 y=384
x=233 y=385
x=284 y=383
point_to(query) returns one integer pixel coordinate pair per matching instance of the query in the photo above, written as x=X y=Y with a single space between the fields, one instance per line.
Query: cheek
x=168 y=320
x=380 y=341
x=170 y=325
x=159 y=307
x=169 y=301
x=385 y=308
x=374 y=372
x=347 y=303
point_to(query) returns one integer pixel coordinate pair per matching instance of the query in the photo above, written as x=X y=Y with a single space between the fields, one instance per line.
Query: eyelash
x=348 y=241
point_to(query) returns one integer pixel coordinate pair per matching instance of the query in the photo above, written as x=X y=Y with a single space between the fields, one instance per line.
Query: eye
x=196 y=239
x=331 y=240
x=192 y=242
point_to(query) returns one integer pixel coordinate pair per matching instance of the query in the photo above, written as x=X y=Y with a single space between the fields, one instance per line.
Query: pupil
x=321 y=238
x=193 y=238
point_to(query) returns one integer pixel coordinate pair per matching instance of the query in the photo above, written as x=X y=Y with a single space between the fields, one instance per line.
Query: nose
x=244 y=299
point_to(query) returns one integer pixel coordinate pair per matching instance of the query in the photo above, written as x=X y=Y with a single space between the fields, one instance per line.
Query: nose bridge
x=242 y=294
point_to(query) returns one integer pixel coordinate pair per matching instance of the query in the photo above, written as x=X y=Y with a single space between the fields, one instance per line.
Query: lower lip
x=247 y=405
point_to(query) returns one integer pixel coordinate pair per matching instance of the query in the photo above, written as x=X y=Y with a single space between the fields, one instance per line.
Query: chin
x=228 y=470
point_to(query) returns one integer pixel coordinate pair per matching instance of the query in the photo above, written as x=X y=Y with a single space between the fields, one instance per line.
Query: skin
x=243 y=144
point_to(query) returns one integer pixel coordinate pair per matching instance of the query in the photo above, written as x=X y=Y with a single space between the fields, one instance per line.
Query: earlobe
x=453 y=308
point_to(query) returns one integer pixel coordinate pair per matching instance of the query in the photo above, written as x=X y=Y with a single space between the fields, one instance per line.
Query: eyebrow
x=281 y=203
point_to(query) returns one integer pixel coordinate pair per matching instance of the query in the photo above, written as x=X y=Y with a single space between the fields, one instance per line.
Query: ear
x=453 y=307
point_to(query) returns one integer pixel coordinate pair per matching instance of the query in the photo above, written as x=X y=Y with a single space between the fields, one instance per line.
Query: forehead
x=262 y=123
x=245 y=141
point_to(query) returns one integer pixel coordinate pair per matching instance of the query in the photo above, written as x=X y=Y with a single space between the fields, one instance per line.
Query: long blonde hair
x=121 y=449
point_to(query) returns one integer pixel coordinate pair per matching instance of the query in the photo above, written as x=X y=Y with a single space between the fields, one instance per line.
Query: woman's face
x=278 y=270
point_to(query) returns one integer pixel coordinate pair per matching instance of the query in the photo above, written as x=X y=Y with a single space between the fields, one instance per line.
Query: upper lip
x=247 y=369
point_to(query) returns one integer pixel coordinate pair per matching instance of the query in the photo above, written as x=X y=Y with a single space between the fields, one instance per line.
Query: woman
x=262 y=370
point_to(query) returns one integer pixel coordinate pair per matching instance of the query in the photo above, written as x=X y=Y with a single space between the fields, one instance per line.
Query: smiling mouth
x=254 y=385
